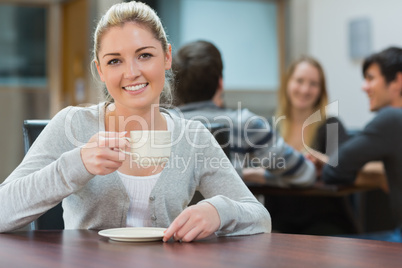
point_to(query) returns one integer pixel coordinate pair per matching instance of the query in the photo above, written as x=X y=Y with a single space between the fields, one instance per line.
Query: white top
x=139 y=189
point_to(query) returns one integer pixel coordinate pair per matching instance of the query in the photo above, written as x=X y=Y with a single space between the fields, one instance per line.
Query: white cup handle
x=121 y=150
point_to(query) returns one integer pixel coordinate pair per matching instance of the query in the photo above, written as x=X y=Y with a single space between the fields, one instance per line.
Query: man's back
x=254 y=143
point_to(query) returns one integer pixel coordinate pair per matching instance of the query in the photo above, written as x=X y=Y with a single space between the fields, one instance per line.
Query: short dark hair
x=389 y=61
x=197 y=67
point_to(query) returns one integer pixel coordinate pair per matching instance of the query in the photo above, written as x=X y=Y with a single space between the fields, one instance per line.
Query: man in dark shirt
x=381 y=138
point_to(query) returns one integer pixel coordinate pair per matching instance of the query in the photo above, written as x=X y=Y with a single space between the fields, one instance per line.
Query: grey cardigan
x=53 y=171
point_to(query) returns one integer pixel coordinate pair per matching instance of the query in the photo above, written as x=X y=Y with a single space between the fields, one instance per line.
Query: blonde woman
x=302 y=93
x=77 y=160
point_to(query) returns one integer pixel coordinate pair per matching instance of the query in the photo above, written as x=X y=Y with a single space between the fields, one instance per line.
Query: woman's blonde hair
x=142 y=14
x=284 y=104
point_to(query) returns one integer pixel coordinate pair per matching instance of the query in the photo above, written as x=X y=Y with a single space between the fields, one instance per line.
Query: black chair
x=53 y=218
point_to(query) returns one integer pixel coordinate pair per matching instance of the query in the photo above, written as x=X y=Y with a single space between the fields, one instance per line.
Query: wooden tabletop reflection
x=84 y=248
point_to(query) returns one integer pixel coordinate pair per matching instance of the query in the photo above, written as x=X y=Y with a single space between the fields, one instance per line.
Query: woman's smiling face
x=304 y=86
x=132 y=64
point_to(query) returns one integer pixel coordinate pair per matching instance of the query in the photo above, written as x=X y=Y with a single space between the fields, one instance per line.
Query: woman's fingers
x=102 y=155
x=192 y=235
x=195 y=222
x=107 y=167
x=178 y=223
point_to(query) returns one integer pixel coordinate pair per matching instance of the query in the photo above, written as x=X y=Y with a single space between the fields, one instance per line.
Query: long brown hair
x=284 y=105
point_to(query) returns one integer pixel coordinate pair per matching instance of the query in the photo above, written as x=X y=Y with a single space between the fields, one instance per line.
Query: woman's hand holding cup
x=101 y=155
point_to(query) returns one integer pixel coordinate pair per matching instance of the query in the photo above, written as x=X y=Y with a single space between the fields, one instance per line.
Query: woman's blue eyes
x=142 y=56
x=301 y=81
x=145 y=56
x=113 y=62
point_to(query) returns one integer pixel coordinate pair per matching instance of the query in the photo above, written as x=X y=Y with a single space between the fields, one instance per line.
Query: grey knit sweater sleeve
x=220 y=184
x=199 y=163
x=50 y=171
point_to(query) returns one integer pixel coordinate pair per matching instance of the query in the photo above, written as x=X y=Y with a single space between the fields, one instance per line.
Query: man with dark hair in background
x=381 y=138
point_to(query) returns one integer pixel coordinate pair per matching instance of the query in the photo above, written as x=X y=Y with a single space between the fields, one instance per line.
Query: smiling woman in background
x=302 y=93
x=77 y=160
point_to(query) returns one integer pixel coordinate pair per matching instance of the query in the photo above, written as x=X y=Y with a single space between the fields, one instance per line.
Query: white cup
x=149 y=147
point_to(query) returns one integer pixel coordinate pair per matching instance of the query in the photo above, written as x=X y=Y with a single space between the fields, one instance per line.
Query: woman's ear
x=168 y=58
x=98 y=68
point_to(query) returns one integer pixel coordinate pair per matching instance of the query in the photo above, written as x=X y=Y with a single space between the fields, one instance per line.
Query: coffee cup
x=149 y=147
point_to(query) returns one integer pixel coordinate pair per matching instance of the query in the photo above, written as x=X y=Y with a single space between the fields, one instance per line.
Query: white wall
x=328 y=42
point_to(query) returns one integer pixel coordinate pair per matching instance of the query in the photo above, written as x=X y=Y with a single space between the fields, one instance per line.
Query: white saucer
x=134 y=234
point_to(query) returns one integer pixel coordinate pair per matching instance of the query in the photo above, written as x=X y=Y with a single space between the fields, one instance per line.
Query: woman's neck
x=118 y=119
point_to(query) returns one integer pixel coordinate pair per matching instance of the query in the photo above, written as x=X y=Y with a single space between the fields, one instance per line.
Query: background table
x=84 y=248
x=318 y=189
x=352 y=197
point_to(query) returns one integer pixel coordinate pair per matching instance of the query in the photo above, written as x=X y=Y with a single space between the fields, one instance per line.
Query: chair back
x=53 y=218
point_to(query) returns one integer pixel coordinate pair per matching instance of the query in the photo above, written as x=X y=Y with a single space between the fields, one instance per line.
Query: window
x=245 y=31
x=23 y=46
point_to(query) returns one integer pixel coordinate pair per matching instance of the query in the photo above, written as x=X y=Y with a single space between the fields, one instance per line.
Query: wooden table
x=85 y=248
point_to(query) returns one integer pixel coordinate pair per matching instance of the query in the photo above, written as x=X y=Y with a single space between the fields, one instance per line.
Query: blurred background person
x=302 y=93
x=198 y=70
x=380 y=140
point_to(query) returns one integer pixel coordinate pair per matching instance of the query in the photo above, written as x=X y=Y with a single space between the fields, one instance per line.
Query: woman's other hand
x=195 y=222
x=101 y=155
x=318 y=159
x=254 y=175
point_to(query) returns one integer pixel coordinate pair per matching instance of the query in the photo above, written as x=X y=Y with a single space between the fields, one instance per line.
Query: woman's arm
x=51 y=170
x=57 y=165
x=229 y=208
x=238 y=209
